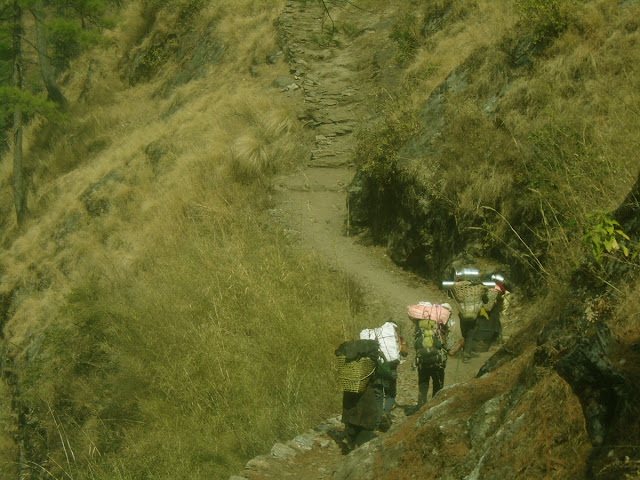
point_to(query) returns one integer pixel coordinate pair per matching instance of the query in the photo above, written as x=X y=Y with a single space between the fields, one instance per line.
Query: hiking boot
x=341 y=441
x=385 y=423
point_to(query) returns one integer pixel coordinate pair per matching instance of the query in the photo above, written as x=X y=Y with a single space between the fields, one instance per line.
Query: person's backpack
x=426 y=310
x=430 y=338
x=387 y=338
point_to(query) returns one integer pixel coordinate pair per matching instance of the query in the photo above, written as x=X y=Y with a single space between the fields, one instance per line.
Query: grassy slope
x=143 y=336
x=535 y=139
x=158 y=323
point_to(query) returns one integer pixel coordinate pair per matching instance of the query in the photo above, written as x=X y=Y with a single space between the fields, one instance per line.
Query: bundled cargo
x=469 y=297
x=427 y=311
x=492 y=298
x=387 y=338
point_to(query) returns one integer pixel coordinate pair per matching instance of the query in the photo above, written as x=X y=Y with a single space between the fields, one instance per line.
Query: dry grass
x=158 y=320
x=471 y=25
x=212 y=334
x=553 y=442
x=169 y=328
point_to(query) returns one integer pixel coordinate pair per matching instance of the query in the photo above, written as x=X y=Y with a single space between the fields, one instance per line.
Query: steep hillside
x=155 y=322
x=510 y=148
x=190 y=261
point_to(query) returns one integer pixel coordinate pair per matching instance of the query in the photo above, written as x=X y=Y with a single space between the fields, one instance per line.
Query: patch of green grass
x=351 y=30
x=406 y=33
x=545 y=19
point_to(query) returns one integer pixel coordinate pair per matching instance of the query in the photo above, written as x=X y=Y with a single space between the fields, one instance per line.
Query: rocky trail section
x=329 y=80
x=335 y=85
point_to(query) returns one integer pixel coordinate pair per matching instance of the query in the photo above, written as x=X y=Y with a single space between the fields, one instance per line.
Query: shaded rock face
x=578 y=345
x=196 y=51
x=508 y=424
x=94 y=200
x=405 y=220
x=418 y=228
x=579 y=350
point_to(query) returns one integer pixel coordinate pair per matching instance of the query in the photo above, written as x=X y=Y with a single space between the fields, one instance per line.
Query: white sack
x=387 y=337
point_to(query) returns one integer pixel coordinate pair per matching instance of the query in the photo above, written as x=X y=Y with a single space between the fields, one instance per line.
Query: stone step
x=331 y=162
x=322 y=116
x=335 y=129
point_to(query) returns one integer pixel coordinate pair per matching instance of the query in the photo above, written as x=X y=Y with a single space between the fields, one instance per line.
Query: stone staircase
x=331 y=81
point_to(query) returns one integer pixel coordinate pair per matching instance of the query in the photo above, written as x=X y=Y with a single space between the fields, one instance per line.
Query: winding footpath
x=336 y=84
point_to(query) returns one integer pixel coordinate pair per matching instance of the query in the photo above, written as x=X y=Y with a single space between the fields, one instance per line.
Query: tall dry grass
x=156 y=322
x=218 y=343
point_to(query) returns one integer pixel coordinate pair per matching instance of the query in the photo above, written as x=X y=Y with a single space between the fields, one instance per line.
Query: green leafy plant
x=545 y=19
x=604 y=235
x=406 y=33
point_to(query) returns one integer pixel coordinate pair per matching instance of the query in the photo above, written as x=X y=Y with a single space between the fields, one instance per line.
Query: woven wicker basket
x=354 y=376
x=463 y=291
x=469 y=299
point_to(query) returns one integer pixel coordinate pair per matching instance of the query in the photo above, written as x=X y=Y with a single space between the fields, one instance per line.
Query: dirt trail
x=335 y=90
x=335 y=93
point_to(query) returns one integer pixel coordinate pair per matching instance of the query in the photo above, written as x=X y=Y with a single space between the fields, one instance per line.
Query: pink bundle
x=436 y=313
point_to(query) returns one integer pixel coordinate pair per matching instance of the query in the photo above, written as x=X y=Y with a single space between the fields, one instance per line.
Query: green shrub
x=378 y=147
x=406 y=33
x=545 y=19
x=604 y=236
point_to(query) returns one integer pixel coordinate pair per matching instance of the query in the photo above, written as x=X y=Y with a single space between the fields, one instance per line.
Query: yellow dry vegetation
x=158 y=322
x=539 y=126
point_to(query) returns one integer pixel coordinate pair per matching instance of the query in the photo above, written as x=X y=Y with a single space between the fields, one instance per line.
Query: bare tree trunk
x=46 y=69
x=19 y=193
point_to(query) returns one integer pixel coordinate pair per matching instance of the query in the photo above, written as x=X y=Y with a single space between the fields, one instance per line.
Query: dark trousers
x=467 y=329
x=386 y=387
x=387 y=397
x=429 y=373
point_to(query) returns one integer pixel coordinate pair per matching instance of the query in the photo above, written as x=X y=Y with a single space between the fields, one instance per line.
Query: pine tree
x=61 y=30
